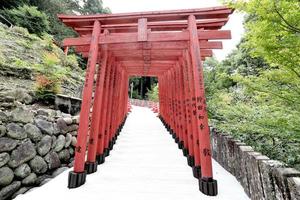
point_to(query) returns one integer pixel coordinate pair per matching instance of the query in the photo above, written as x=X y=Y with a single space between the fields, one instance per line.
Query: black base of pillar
x=90 y=167
x=177 y=140
x=75 y=180
x=191 y=161
x=168 y=128
x=173 y=135
x=106 y=152
x=100 y=159
x=185 y=152
x=180 y=145
x=208 y=186
x=111 y=145
x=197 y=172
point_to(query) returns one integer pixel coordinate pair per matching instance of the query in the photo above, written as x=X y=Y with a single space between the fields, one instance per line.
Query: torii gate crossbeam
x=170 y=45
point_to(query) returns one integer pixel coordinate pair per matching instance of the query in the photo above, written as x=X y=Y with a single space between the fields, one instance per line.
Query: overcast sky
x=234 y=24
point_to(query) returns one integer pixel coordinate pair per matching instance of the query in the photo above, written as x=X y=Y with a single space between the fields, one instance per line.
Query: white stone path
x=145 y=164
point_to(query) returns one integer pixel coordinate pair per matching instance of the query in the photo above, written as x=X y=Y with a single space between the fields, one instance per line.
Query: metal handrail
x=11 y=25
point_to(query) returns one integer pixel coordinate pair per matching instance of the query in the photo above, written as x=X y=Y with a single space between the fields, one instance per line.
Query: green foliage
x=153 y=94
x=30 y=18
x=256 y=103
x=142 y=86
x=93 y=7
x=12 y=3
x=48 y=81
x=273 y=31
x=52 y=8
x=255 y=93
x=41 y=60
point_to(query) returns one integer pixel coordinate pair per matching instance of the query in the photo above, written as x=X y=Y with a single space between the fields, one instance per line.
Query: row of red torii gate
x=169 y=45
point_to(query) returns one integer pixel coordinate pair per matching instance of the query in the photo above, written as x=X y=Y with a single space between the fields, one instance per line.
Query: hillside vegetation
x=36 y=64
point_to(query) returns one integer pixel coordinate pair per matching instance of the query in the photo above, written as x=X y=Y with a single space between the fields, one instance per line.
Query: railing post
x=78 y=176
x=207 y=184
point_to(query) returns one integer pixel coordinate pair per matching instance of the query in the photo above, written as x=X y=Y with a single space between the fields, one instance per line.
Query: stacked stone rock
x=261 y=177
x=35 y=145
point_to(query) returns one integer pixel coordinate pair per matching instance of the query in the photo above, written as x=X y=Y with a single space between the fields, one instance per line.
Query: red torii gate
x=170 y=45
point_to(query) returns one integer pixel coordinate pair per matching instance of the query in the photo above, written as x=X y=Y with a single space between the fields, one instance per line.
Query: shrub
x=153 y=94
x=49 y=78
x=29 y=17
x=46 y=88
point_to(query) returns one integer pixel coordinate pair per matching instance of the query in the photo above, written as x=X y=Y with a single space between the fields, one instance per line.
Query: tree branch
x=293 y=28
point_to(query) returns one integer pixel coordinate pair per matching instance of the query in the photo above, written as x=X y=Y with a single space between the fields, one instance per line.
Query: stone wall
x=36 y=144
x=261 y=177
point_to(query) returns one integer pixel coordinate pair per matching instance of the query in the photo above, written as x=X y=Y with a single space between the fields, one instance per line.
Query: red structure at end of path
x=170 y=45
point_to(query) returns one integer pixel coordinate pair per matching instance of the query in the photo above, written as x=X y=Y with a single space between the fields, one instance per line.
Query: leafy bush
x=29 y=17
x=261 y=108
x=49 y=78
x=153 y=94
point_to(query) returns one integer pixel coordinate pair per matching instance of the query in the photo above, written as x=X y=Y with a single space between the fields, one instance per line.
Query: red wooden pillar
x=172 y=84
x=177 y=104
x=111 y=90
x=115 y=106
x=188 y=150
x=171 y=105
x=180 y=106
x=123 y=99
x=91 y=164
x=168 y=102
x=103 y=118
x=195 y=161
x=78 y=176
x=115 y=109
x=207 y=184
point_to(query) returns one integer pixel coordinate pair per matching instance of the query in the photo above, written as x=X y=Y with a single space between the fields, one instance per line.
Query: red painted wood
x=170 y=45
x=159 y=46
x=86 y=102
x=208 y=24
x=202 y=13
x=103 y=119
x=142 y=30
x=152 y=37
x=201 y=113
x=97 y=107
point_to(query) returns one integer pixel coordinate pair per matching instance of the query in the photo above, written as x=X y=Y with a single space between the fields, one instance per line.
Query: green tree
x=93 y=7
x=30 y=18
x=273 y=31
x=262 y=108
x=54 y=7
x=257 y=103
x=153 y=94
x=8 y=4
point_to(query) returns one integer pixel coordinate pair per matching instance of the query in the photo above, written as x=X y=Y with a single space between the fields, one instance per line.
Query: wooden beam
x=212 y=24
x=153 y=54
x=152 y=37
x=142 y=30
x=157 y=46
x=153 y=63
x=202 y=13
x=139 y=58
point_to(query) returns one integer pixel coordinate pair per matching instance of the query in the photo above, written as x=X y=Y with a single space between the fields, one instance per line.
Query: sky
x=234 y=24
